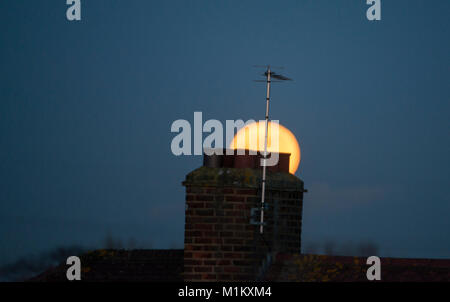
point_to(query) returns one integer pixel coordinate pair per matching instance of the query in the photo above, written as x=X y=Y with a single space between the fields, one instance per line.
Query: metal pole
x=263 y=191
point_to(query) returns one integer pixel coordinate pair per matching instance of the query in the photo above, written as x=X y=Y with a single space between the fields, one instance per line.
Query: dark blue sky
x=86 y=109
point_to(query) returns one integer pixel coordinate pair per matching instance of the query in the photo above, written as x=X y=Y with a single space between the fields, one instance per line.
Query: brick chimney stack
x=222 y=241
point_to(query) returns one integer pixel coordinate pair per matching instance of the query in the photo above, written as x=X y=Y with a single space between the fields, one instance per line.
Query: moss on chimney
x=245 y=178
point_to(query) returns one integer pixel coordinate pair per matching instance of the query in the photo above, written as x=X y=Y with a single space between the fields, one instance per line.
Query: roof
x=123 y=265
x=167 y=265
x=310 y=268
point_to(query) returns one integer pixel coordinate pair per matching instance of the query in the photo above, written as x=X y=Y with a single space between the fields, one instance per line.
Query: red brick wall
x=220 y=242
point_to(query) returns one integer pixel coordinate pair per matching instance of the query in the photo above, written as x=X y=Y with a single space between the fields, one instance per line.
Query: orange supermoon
x=245 y=139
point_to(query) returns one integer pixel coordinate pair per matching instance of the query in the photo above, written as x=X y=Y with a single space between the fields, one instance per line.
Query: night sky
x=86 y=109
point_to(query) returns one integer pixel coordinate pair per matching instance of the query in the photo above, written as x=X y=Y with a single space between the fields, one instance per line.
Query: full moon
x=287 y=142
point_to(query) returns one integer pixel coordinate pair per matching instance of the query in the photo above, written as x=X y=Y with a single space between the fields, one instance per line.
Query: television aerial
x=270 y=77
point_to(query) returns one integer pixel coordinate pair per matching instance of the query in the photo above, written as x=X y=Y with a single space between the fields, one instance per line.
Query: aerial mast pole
x=266 y=127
